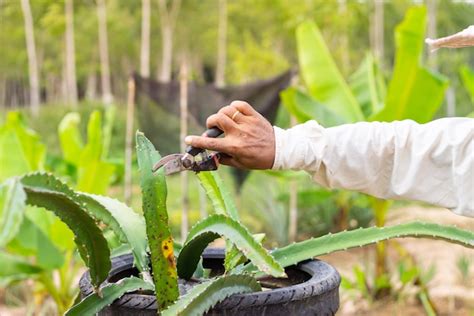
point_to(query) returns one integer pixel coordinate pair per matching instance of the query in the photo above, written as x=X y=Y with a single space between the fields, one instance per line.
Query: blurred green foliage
x=260 y=39
x=93 y=172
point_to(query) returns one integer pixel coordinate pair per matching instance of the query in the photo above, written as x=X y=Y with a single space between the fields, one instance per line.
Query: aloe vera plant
x=89 y=216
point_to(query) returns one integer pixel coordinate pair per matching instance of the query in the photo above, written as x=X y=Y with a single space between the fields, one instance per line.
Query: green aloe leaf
x=368 y=86
x=94 y=303
x=305 y=108
x=157 y=228
x=221 y=200
x=218 y=193
x=414 y=92
x=12 y=208
x=234 y=257
x=311 y=248
x=15 y=268
x=204 y=296
x=321 y=75
x=124 y=222
x=46 y=191
x=210 y=229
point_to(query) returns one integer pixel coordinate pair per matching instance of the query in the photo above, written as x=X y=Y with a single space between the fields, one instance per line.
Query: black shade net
x=158 y=107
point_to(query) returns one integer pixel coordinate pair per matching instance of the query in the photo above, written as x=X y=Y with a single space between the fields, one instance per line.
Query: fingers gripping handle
x=212 y=132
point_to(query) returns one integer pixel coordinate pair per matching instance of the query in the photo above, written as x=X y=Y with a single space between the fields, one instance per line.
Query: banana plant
x=30 y=234
x=467 y=77
x=27 y=232
x=413 y=92
x=94 y=171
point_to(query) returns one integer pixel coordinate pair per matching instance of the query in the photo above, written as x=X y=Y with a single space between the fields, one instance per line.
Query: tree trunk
x=183 y=105
x=342 y=8
x=107 y=97
x=145 y=41
x=377 y=31
x=3 y=92
x=32 y=61
x=431 y=31
x=221 y=44
x=168 y=21
x=450 y=103
x=293 y=218
x=91 y=86
x=129 y=142
x=293 y=205
x=167 y=57
x=71 y=84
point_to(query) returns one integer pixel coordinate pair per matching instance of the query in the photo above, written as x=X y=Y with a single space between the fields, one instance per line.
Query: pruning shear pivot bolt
x=179 y=162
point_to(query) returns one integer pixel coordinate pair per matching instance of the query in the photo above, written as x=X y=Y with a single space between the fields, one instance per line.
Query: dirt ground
x=450 y=294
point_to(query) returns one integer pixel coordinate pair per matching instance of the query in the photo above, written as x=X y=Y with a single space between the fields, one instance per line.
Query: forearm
x=401 y=160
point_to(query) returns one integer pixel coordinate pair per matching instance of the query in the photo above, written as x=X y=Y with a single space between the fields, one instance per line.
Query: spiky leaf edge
x=210 y=229
x=329 y=243
x=44 y=190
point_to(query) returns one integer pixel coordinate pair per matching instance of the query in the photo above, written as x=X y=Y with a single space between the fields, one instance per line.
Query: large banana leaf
x=467 y=77
x=70 y=138
x=305 y=108
x=12 y=208
x=94 y=174
x=414 y=92
x=32 y=240
x=20 y=148
x=15 y=268
x=321 y=75
x=368 y=86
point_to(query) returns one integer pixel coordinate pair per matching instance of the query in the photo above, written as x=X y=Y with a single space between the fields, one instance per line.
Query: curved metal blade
x=163 y=161
x=174 y=166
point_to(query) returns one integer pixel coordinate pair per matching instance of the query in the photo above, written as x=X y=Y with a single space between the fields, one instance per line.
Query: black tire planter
x=312 y=289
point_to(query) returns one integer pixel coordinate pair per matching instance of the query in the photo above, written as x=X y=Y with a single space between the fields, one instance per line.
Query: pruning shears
x=180 y=162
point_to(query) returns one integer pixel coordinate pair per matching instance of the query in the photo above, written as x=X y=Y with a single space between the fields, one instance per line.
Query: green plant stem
x=380 y=208
x=67 y=274
x=47 y=281
x=342 y=202
x=426 y=302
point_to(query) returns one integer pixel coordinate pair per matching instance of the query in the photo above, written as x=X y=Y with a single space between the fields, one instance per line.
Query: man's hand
x=249 y=141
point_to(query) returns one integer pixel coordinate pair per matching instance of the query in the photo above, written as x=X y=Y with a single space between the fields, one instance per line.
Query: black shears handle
x=212 y=132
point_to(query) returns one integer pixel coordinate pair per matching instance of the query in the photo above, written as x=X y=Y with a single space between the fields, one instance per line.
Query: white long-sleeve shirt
x=431 y=162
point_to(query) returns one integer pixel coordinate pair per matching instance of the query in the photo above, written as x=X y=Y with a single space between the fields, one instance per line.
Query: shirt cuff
x=279 y=144
x=300 y=147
